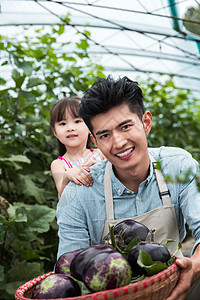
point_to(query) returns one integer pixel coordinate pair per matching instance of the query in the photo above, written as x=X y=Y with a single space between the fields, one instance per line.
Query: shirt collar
x=119 y=188
x=147 y=180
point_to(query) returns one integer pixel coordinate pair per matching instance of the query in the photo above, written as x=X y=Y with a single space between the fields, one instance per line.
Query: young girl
x=75 y=154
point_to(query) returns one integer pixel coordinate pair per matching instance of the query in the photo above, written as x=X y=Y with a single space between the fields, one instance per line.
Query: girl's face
x=71 y=131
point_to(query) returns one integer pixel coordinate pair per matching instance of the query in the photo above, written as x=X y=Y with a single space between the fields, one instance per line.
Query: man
x=127 y=185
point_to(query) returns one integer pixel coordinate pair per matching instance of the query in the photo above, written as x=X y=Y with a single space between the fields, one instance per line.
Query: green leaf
x=27 y=68
x=66 y=20
x=152 y=267
x=4 y=91
x=1 y=273
x=3 y=219
x=70 y=58
x=18 y=78
x=11 y=210
x=112 y=236
x=31 y=189
x=14 y=216
x=158 y=165
x=87 y=33
x=32 y=82
x=16 y=75
x=178 y=248
x=39 y=218
x=19 y=218
x=24 y=271
x=132 y=243
x=83 y=44
x=165 y=241
x=138 y=278
x=16 y=158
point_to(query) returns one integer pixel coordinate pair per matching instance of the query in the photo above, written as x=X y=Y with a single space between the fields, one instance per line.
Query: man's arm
x=190 y=271
x=73 y=232
x=190 y=206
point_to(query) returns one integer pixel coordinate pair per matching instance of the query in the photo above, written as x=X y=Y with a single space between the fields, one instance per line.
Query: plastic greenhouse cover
x=132 y=37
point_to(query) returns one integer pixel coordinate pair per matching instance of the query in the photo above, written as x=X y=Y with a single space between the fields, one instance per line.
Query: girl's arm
x=60 y=175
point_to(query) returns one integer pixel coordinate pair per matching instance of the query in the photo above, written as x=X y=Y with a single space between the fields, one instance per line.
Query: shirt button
x=137 y=198
x=119 y=191
x=128 y=192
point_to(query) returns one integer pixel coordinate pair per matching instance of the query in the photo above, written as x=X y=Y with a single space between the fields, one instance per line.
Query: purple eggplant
x=56 y=286
x=63 y=263
x=157 y=252
x=106 y=271
x=125 y=231
x=79 y=261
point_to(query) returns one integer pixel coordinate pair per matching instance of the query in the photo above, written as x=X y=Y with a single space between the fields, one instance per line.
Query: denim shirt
x=81 y=210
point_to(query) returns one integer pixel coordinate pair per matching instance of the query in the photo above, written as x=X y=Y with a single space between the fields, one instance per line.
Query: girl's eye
x=62 y=123
x=78 y=121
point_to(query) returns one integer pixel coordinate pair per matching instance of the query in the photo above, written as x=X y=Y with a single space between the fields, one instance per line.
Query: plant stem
x=3 y=246
x=112 y=237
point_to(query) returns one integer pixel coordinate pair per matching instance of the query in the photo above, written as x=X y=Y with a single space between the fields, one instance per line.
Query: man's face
x=121 y=136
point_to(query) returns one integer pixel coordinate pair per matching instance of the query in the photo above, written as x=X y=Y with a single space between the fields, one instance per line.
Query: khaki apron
x=163 y=218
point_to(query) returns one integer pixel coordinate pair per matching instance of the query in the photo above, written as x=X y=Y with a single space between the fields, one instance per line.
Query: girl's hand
x=80 y=175
x=89 y=163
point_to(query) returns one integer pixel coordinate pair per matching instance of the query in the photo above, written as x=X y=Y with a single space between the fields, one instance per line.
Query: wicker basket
x=156 y=287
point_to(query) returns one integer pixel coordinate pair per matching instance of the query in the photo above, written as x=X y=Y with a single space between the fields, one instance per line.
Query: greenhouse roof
x=131 y=37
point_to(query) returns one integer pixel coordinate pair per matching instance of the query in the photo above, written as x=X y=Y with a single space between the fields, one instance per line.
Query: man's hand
x=185 y=279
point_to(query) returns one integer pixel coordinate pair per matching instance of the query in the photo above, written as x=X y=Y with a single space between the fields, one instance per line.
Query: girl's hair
x=57 y=114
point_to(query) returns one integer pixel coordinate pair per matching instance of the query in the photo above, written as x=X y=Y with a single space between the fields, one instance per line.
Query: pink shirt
x=76 y=163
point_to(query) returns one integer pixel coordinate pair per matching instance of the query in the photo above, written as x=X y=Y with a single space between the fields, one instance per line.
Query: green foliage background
x=40 y=74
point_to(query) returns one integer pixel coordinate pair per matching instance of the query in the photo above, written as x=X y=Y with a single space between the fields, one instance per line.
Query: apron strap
x=163 y=190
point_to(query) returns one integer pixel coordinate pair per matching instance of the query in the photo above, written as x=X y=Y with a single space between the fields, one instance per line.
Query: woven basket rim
x=157 y=278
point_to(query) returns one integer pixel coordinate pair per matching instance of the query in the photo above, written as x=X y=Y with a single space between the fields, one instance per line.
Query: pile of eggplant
x=126 y=254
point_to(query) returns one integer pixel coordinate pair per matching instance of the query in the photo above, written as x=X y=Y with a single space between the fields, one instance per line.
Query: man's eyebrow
x=124 y=122
x=102 y=131
x=119 y=125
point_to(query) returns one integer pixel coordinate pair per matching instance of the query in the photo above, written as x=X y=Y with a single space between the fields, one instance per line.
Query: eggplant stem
x=150 y=235
x=112 y=237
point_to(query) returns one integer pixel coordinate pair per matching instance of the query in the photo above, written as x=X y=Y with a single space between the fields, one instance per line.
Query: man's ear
x=93 y=139
x=147 y=121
